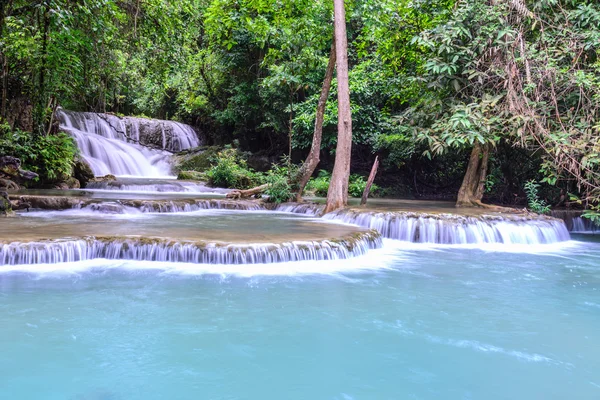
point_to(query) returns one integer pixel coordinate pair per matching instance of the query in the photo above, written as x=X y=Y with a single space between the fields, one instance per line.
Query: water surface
x=404 y=322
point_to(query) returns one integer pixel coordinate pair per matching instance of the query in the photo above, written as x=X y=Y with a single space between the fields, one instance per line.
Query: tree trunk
x=363 y=200
x=473 y=185
x=337 y=195
x=313 y=158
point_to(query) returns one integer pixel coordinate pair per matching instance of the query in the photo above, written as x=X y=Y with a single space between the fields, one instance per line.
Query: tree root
x=491 y=207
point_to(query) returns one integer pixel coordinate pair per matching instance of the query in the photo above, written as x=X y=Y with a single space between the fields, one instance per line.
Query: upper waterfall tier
x=127 y=146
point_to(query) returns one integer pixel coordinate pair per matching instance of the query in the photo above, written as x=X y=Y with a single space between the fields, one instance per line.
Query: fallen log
x=240 y=194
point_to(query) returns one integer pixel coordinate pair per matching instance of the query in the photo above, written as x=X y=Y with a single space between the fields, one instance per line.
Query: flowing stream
x=147 y=288
x=112 y=145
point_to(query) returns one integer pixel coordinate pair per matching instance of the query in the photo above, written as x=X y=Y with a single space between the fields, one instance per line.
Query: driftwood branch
x=240 y=194
x=365 y=195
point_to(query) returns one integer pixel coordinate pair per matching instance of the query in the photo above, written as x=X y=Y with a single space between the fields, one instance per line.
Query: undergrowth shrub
x=230 y=170
x=282 y=181
x=52 y=156
x=534 y=202
x=320 y=185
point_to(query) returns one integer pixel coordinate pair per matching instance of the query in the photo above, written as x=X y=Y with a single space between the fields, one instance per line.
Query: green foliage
x=356 y=186
x=229 y=170
x=319 y=185
x=535 y=204
x=279 y=189
x=52 y=157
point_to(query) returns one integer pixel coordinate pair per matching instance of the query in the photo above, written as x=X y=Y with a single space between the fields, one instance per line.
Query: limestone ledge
x=171 y=250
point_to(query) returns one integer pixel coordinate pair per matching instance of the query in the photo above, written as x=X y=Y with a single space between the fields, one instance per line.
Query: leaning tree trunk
x=473 y=185
x=313 y=158
x=337 y=195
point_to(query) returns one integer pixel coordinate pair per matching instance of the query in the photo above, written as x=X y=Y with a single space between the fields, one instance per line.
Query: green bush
x=230 y=170
x=356 y=186
x=52 y=156
x=534 y=203
x=282 y=181
x=318 y=186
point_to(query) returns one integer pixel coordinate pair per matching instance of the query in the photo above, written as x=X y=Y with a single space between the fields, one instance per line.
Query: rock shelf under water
x=416 y=227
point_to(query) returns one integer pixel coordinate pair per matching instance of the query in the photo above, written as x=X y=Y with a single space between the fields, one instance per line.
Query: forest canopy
x=471 y=97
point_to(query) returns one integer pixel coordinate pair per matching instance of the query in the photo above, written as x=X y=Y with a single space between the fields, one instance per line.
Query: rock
x=8 y=185
x=105 y=178
x=260 y=163
x=10 y=169
x=82 y=172
x=5 y=204
x=51 y=202
x=20 y=205
x=197 y=160
x=191 y=176
x=166 y=135
x=73 y=183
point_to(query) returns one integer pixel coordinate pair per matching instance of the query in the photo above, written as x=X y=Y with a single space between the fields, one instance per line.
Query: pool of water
x=403 y=322
x=209 y=225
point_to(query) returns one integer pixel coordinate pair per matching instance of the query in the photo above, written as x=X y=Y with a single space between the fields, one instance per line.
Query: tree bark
x=473 y=185
x=313 y=158
x=239 y=194
x=337 y=195
x=363 y=200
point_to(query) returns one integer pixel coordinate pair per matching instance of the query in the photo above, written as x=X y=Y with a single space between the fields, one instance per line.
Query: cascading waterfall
x=456 y=229
x=149 y=249
x=118 y=146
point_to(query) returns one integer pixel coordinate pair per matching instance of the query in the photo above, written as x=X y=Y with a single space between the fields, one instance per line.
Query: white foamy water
x=104 y=142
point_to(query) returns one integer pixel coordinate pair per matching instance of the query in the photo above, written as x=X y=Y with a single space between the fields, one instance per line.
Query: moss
x=198 y=161
x=191 y=176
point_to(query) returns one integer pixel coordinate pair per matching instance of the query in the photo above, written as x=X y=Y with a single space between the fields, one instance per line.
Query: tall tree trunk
x=313 y=158
x=473 y=185
x=337 y=195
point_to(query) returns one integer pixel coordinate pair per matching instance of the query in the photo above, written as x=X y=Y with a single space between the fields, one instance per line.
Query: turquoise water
x=401 y=323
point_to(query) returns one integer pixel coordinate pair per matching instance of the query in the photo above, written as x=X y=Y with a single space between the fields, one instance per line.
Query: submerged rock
x=105 y=178
x=51 y=202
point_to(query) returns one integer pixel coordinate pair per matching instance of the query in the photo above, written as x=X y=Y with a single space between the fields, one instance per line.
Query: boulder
x=191 y=176
x=8 y=185
x=10 y=169
x=105 y=178
x=82 y=172
x=49 y=202
x=5 y=204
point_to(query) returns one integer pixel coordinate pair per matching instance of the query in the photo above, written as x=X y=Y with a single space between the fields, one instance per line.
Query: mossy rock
x=198 y=161
x=191 y=176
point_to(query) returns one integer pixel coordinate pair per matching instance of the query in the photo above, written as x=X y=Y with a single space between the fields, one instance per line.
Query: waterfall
x=119 y=146
x=575 y=222
x=457 y=229
x=150 y=249
x=156 y=186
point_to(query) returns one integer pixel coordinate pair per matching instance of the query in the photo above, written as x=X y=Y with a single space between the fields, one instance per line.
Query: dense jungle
x=483 y=101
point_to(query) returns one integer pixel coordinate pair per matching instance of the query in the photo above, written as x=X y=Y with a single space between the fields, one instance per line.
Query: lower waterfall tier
x=166 y=250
